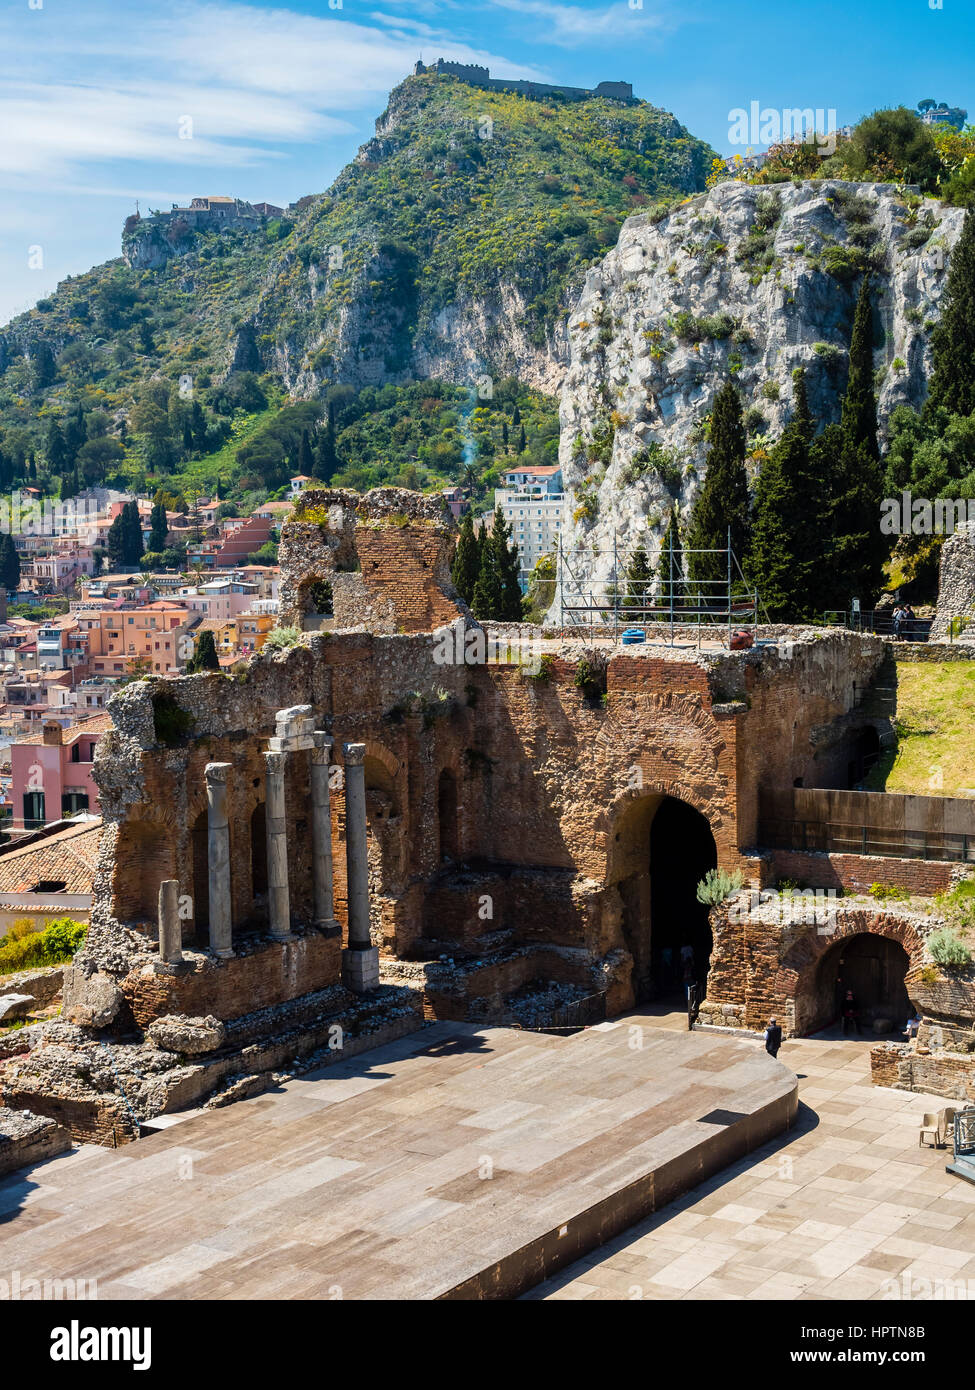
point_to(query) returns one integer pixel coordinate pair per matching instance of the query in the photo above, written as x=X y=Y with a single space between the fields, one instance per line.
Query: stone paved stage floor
x=837 y=1209
x=370 y=1179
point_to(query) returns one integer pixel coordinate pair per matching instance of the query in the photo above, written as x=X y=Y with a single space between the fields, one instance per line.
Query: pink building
x=51 y=773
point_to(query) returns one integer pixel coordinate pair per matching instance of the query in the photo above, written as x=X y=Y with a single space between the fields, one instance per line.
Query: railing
x=826 y=838
x=964 y=1136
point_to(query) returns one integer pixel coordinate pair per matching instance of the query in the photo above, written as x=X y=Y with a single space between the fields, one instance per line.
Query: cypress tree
x=205 y=657
x=488 y=590
x=723 y=500
x=9 y=562
x=115 y=542
x=132 y=547
x=953 y=340
x=159 y=527
x=75 y=434
x=859 y=417
x=466 y=562
x=55 y=448
x=306 y=462
x=639 y=577
x=326 y=460
x=786 y=560
x=509 y=568
x=522 y=442
x=665 y=581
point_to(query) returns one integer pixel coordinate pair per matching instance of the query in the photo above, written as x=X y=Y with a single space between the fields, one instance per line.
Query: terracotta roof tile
x=68 y=857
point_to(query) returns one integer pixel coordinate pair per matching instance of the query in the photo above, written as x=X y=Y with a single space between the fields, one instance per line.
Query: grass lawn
x=935 y=722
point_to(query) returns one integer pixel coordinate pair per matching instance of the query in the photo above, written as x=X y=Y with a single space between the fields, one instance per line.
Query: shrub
x=884 y=892
x=26 y=948
x=771 y=390
x=171 y=722
x=281 y=637
x=718 y=884
x=591 y=675
x=947 y=948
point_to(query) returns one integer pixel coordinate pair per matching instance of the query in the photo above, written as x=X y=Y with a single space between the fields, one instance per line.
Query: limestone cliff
x=748 y=281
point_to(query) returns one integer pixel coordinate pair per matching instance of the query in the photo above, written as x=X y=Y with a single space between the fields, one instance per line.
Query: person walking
x=897 y=618
x=851 y=1013
x=773 y=1038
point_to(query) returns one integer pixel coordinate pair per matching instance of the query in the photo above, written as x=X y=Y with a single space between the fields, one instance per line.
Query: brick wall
x=857 y=872
x=935 y=1073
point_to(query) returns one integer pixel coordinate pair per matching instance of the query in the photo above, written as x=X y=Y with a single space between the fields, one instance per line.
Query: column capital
x=323 y=746
x=354 y=754
x=275 y=763
x=216 y=772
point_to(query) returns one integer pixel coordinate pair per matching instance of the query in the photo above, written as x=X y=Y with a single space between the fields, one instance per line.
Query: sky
x=106 y=105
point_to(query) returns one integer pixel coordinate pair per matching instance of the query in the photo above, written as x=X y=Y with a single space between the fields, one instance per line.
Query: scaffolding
x=729 y=601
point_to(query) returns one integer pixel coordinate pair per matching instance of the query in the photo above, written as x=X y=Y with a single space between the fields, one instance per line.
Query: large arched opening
x=448 y=838
x=661 y=849
x=258 y=829
x=873 y=967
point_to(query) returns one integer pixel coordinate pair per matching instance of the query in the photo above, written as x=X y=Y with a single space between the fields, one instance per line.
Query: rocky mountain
x=748 y=282
x=446 y=248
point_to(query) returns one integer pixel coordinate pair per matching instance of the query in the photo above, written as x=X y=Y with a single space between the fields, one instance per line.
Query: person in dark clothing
x=773 y=1038
x=851 y=1014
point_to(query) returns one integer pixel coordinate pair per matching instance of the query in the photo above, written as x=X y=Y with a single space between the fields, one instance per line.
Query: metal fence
x=826 y=837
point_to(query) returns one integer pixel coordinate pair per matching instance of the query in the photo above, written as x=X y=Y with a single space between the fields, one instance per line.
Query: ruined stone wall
x=856 y=873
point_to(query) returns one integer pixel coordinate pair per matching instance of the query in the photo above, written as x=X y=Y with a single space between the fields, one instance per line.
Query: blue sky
x=94 y=96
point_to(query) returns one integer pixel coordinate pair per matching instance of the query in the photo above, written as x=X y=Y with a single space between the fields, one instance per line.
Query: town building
x=531 y=503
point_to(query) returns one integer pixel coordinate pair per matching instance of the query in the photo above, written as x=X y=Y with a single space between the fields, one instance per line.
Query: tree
x=466 y=562
x=723 y=500
x=892 y=146
x=786 y=555
x=205 y=657
x=497 y=593
x=522 y=442
x=115 y=542
x=9 y=562
x=306 y=462
x=45 y=368
x=669 y=572
x=159 y=527
x=859 y=416
x=639 y=578
x=55 y=449
x=953 y=340
x=326 y=461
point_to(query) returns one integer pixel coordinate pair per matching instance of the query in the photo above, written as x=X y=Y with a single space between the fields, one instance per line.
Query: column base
x=360 y=970
x=328 y=926
x=282 y=936
x=225 y=955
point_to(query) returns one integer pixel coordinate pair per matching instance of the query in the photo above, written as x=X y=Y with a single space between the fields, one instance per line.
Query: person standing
x=773 y=1038
x=851 y=1014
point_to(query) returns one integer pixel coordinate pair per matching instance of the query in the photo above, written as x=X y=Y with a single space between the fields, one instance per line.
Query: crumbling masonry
x=344 y=837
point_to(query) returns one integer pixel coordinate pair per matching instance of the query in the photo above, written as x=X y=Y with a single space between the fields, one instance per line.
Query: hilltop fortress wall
x=481 y=77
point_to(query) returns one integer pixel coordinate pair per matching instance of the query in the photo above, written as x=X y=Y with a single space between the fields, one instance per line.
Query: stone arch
x=655 y=887
x=145 y=855
x=199 y=850
x=803 y=973
x=314 y=601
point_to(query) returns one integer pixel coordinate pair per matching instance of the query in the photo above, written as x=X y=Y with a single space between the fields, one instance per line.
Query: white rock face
x=636 y=379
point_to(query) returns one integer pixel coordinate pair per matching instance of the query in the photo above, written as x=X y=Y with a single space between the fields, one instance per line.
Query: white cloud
x=252 y=81
x=573 y=26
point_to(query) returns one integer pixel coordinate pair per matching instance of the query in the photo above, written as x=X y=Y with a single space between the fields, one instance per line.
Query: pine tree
x=953 y=340
x=639 y=577
x=9 y=562
x=75 y=434
x=723 y=500
x=786 y=560
x=859 y=418
x=205 y=657
x=70 y=486
x=466 y=563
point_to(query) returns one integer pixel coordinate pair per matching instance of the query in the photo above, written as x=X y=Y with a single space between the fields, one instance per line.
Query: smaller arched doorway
x=874 y=968
x=259 y=854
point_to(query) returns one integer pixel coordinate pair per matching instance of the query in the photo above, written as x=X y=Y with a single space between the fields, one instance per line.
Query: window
x=73 y=801
x=33 y=810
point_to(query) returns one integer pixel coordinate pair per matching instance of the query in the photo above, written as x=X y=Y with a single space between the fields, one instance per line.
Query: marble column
x=218 y=855
x=321 y=834
x=170 y=927
x=278 y=897
x=360 y=962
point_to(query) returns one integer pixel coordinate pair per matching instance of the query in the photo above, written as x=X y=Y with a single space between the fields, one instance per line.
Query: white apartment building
x=531 y=504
